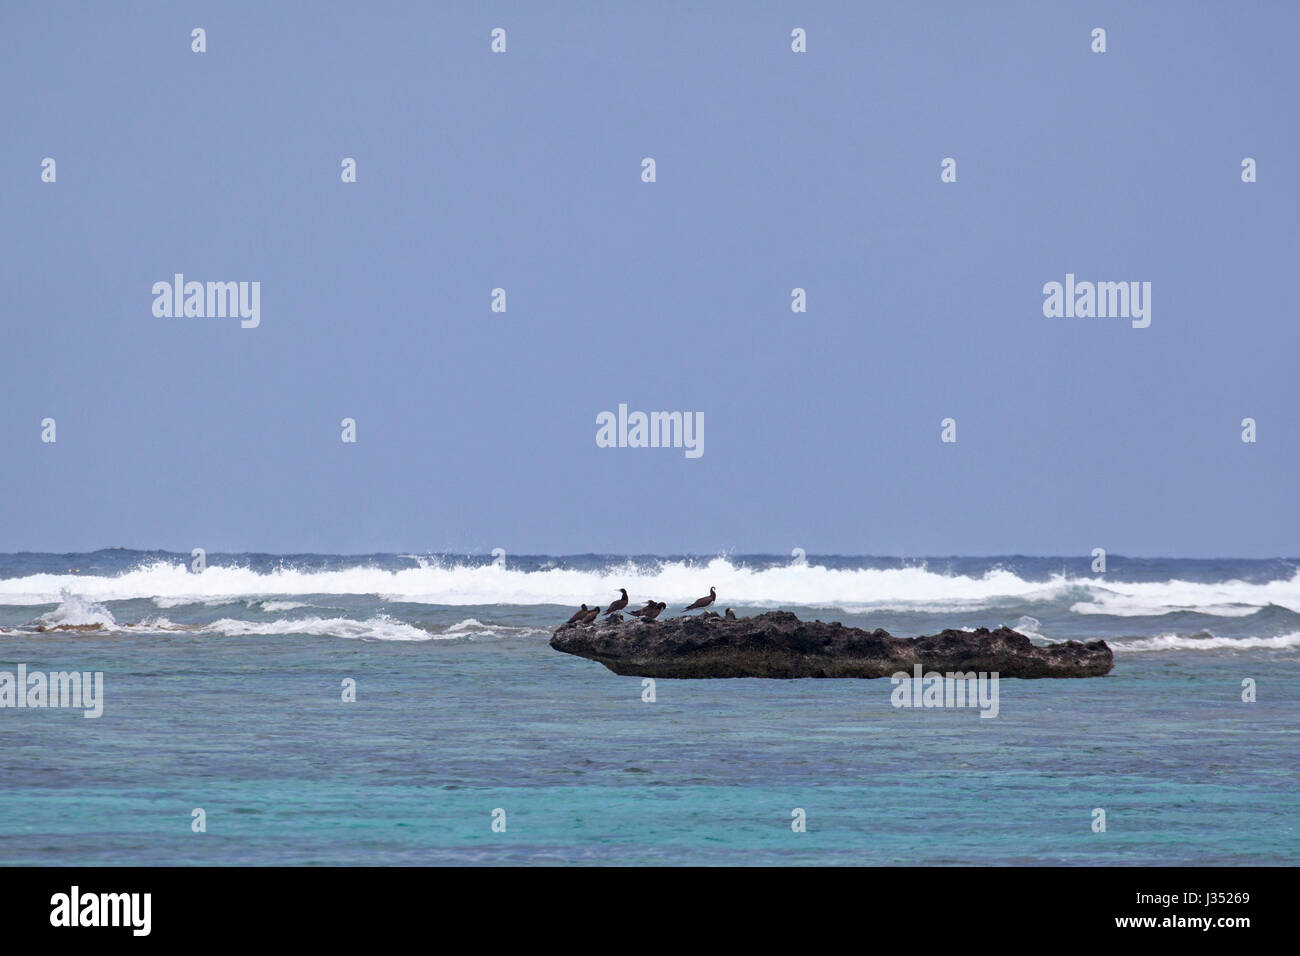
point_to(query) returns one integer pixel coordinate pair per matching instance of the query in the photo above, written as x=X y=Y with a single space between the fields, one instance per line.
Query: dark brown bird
x=704 y=601
x=649 y=612
x=731 y=615
x=619 y=604
x=577 y=615
x=590 y=615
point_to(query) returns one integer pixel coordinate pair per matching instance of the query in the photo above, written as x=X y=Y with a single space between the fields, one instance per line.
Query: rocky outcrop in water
x=778 y=644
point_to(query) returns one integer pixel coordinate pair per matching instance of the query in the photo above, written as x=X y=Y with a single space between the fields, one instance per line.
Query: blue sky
x=775 y=170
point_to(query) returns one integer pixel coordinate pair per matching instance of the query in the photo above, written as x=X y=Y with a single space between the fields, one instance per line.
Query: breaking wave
x=76 y=611
x=171 y=584
x=381 y=627
x=1207 y=642
x=76 y=614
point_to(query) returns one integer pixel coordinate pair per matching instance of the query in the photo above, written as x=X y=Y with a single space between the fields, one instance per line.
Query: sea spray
x=834 y=585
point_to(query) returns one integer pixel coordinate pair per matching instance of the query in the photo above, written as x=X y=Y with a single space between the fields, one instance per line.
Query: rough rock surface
x=778 y=644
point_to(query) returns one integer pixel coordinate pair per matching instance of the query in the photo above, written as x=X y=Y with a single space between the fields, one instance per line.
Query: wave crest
x=852 y=590
x=1207 y=642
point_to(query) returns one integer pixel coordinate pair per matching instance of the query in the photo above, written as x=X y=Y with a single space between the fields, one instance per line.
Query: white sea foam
x=1173 y=642
x=1220 y=598
x=849 y=590
x=378 y=628
x=165 y=602
x=469 y=624
x=75 y=611
x=1029 y=626
x=472 y=627
x=154 y=624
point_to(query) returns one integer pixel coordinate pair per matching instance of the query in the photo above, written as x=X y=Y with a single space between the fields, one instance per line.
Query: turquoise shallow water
x=253 y=730
x=223 y=691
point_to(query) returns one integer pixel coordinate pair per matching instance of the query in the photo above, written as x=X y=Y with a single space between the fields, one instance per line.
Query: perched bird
x=704 y=601
x=619 y=604
x=577 y=615
x=616 y=618
x=653 y=613
x=731 y=615
x=650 y=611
x=590 y=615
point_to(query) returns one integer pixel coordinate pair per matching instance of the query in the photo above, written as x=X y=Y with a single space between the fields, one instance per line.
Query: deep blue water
x=223 y=691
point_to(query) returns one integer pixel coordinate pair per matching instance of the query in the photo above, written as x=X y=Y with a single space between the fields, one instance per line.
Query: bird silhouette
x=619 y=604
x=704 y=601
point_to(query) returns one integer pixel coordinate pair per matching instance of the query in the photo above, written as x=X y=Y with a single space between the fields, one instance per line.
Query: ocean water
x=223 y=691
